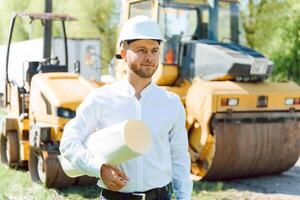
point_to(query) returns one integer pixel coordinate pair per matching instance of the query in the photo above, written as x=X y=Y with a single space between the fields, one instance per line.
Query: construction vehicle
x=238 y=124
x=84 y=50
x=38 y=108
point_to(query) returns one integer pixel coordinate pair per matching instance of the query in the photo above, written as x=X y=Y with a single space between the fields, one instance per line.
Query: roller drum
x=252 y=144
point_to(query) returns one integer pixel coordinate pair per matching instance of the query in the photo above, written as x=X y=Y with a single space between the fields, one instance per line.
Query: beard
x=143 y=72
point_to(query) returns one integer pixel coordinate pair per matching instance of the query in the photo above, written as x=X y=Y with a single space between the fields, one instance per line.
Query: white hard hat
x=140 y=27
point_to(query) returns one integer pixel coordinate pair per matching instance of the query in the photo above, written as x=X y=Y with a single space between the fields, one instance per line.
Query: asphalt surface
x=283 y=186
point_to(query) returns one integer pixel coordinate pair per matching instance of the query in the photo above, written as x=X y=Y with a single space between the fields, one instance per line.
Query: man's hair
x=125 y=44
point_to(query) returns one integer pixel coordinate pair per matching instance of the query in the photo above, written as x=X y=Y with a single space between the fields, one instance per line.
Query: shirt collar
x=131 y=91
x=147 y=89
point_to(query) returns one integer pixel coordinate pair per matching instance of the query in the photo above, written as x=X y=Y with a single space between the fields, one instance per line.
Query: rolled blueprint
x=115 y=144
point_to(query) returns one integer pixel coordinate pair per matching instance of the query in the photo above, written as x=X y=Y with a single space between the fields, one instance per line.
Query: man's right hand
x=113 y=178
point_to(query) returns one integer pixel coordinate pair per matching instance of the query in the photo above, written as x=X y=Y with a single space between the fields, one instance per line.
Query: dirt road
x=284 y=186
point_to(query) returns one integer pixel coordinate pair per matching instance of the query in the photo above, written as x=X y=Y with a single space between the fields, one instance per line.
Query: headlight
x=66 y=113
x=291 y=101
x=233 y=102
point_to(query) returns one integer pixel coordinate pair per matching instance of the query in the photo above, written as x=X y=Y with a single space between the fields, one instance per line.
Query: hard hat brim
x=118 y=56
x=143 y=38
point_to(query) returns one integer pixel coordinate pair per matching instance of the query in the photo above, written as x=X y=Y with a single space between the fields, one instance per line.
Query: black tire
x=33 y=165
x=45 y=169
x=3 y=142
x=10 y=149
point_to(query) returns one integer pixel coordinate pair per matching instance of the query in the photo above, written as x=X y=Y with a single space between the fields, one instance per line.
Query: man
x=147 y=176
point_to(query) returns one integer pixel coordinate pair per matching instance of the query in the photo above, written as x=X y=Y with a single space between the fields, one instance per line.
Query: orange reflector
x=224 y=102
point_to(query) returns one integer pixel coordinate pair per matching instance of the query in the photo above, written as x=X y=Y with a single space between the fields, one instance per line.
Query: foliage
x=7 y=8
x=287 y=57
x=273 y=27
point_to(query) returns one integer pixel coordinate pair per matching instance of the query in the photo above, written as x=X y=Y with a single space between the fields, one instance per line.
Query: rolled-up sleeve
x=76 y=131
x=182 y=184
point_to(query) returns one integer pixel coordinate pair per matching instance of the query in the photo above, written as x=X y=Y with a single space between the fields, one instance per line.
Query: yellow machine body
x=50 y=91
x=245 y=139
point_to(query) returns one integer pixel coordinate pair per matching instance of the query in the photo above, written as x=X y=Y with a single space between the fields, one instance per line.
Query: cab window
x=140 y=8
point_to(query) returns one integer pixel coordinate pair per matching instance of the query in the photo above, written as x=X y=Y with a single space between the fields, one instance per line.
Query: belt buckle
x=142 y=195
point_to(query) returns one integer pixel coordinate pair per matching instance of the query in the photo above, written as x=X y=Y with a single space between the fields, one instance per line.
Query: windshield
x=228 y=22
x=194 y=22
x=176 y=24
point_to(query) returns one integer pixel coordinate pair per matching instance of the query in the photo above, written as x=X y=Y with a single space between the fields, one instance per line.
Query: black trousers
x=166 y=196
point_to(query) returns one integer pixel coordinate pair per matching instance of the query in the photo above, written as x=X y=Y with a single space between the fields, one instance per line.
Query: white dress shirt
x=162 y=111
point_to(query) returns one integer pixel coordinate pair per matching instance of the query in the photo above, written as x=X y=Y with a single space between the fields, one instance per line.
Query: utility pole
x=47 y=31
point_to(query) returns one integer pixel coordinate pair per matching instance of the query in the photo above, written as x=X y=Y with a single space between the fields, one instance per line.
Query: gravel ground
x=283 y=186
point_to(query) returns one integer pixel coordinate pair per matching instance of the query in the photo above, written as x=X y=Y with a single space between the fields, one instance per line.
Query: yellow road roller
x=37 y=109
x=239 y=124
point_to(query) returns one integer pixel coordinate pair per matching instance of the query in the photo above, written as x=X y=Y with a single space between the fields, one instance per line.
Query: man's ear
x=123 y=53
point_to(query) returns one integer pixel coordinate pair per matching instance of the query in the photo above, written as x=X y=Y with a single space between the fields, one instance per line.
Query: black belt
x=148 y=195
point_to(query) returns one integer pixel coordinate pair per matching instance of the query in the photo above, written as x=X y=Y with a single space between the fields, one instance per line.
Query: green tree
x=287 y=58
x=272 y=27
x=7 y=8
